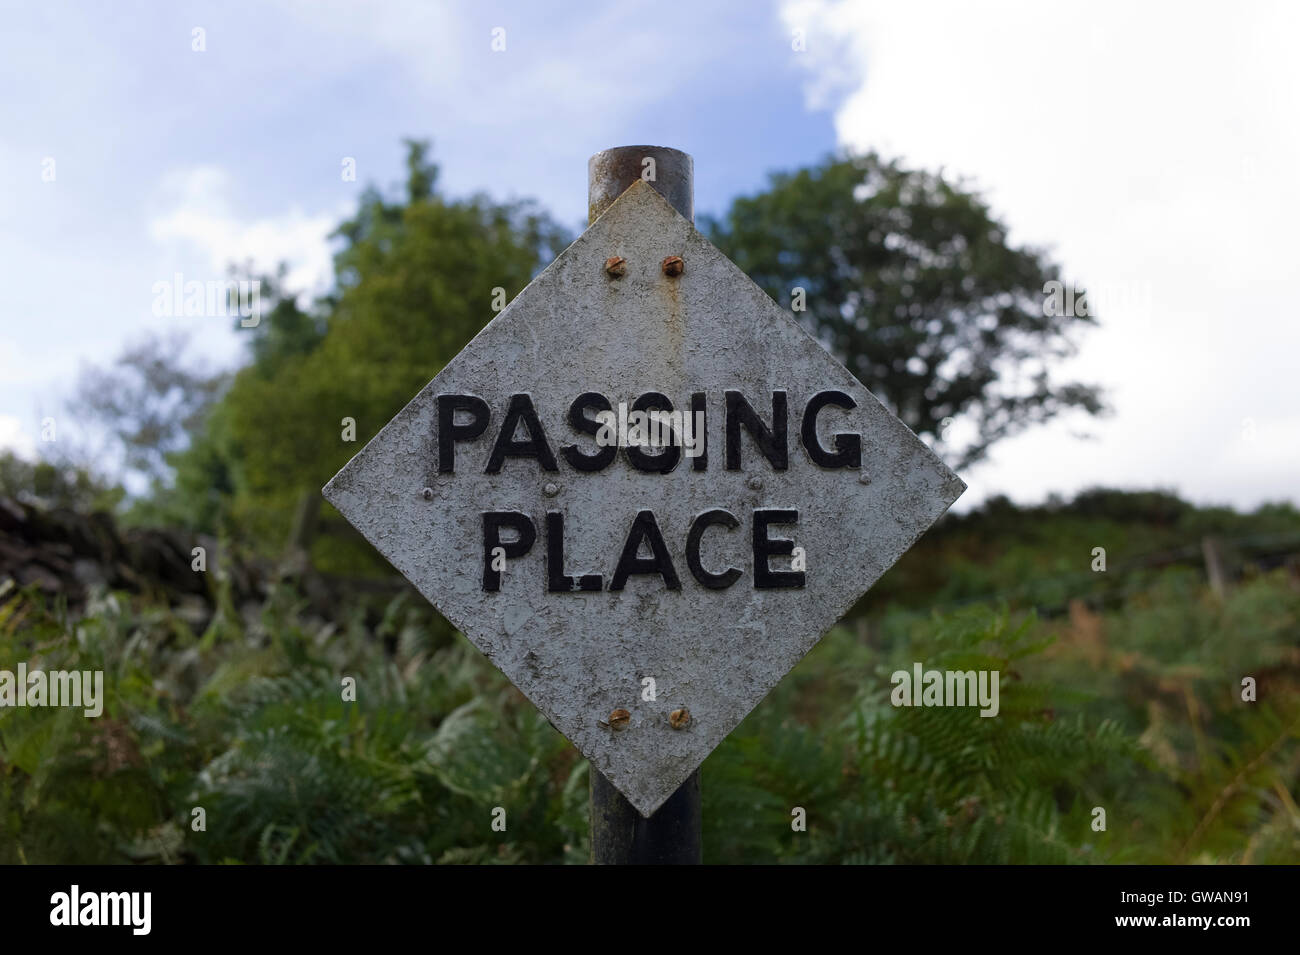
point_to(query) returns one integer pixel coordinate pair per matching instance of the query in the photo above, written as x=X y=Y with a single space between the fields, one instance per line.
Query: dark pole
x=619 y=834
x=622 y=836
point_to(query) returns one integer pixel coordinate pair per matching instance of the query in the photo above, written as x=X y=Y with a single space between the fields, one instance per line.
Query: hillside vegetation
x=1121 y=691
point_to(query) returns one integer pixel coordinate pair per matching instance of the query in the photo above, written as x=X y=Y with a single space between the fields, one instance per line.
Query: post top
x=669 y=171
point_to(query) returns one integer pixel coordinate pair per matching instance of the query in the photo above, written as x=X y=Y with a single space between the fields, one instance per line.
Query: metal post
x=670 y=171
x=619 y=834
x=622 y=836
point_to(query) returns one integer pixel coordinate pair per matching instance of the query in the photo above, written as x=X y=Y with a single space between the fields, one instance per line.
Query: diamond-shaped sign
x=708 y=563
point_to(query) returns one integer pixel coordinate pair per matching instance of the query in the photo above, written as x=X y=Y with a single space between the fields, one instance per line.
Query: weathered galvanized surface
x=610 y=171
x=579 y=656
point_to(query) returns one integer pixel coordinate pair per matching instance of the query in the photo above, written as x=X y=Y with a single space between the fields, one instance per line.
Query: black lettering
x=771 y=442
x=449 y=432
x=604 y=456
x=535 y=446
x=557 y=581
x=665 y=460
x=699 y=407
x=493 y=523
x=764 y=547
x=848 y=447
x=702 y=523
x=645 y=528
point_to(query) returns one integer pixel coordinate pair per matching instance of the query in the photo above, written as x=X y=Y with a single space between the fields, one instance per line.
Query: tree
x=56 y=484
x=414 y=282
x=147 y=403
x=911 y=283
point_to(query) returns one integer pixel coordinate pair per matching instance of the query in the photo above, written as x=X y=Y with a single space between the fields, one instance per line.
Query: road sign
x=645 y=579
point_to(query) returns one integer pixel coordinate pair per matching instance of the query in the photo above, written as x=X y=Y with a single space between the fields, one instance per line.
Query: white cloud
x=13 y=437
x=196 y=211
x=1153 y=147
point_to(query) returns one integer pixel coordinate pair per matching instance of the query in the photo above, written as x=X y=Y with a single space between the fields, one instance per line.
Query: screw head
x=679 y=718
x=673 y=266
x=619 y=718
x=550 y=489
x=427 y=494
x=615 y=266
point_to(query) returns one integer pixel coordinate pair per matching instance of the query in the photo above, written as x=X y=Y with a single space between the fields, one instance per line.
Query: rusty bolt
x=619 y=718
x=678 y=718
x=615 y=266
x=674 y=266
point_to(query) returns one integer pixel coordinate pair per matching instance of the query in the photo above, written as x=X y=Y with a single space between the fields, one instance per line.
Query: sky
x=1150 y=147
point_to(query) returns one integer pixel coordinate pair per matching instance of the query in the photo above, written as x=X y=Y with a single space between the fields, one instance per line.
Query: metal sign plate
x=584 y=569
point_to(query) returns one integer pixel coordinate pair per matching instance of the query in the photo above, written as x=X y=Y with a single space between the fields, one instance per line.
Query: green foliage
x=1123 y=693
x=414 y=282
x=909 y=279
x=911 y=282
x=248 y=722
x=56 y=484
x=919 y=785
x=1136 y=709
x=1042 y=556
